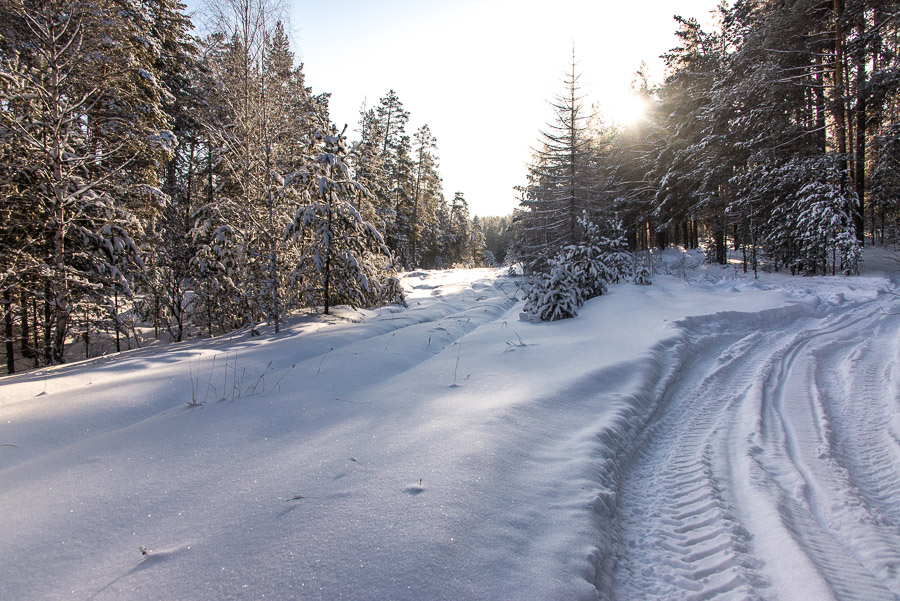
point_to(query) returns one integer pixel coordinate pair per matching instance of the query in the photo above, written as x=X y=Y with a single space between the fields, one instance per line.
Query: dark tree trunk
x=9 y=332
x=840 y=115
x=721 y=248
x=860 y=170
x=26 y=348
x=48 y=327
x=328 y=263
x=819 y=92
x=37 y=343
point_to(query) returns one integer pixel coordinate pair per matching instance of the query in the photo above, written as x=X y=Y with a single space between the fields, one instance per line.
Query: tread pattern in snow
x=762 y=474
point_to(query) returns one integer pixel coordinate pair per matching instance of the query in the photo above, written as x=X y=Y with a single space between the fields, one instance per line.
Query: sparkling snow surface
x=710 y=436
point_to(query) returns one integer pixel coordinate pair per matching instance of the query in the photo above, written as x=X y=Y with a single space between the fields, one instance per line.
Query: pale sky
x=480 y=72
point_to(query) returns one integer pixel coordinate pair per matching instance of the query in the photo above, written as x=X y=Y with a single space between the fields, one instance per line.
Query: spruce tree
x=426 y=192
x=344 y=259
x=560 y=183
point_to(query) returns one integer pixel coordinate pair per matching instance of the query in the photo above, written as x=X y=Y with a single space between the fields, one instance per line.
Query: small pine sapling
x=641 y=275
x=555 y=296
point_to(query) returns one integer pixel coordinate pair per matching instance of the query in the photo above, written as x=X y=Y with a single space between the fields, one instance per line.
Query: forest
x=774 y=137
x=150 y=177
x=156 y=179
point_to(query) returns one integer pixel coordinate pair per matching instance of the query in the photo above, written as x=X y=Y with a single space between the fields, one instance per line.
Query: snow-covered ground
x=709 y=436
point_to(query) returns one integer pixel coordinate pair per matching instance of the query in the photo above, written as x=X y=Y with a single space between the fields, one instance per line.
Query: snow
x=708 y=436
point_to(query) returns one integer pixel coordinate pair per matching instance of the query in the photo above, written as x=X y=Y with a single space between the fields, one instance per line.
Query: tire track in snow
x=742 y=487
x=867 y=368
x=856 y=551
x=680 y=536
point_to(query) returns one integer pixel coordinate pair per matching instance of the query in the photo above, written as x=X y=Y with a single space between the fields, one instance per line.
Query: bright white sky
x=480 y=72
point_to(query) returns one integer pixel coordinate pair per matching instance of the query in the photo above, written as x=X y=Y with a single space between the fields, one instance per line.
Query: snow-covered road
x=707 y=437
x=771 y=468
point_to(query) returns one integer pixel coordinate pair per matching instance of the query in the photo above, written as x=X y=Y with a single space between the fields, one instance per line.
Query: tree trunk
x=721 y=247
x=26 y=349
x=37 y=343
x=328 y=261
x=821 y=110
x=860 y=170
x=61 y=294
x=840 y=117
x=116 y=318
x=48 y=326
x=9 y=333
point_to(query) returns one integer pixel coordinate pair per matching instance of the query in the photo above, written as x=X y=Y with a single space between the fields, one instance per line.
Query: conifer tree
x=391 y=190
x=265 y=133
x=82 y=102
x=459 y=249
x=560 y=183
x=344 y=259
x=167 y=274
x=427 y=191
x=477 y=243
x=368 y=161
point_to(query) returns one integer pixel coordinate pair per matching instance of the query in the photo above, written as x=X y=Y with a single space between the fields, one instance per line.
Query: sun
x=623 y=109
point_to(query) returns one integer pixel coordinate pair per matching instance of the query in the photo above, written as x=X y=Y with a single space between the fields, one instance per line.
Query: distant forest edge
x=158 y=183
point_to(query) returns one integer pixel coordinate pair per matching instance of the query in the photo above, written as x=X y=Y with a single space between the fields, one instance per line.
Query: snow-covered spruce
x=641 y=276
x=555 y=296
x=345 y=259
x=811 y=230
x=580 y=272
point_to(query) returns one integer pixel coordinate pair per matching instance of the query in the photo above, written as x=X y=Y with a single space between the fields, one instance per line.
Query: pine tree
x=344 y=258
x=368 y=166
x=171 y=248
x=560 y=182
x=391 y=119
x=403 y=232
x=427 y=191
x=459 y=248
x=265 y=133
x=885 y=178
x=477 y=243
x=691 y=166
x=83 y=104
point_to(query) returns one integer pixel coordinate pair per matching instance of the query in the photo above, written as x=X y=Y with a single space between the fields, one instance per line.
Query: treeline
x=150 y=177
x=777 y=136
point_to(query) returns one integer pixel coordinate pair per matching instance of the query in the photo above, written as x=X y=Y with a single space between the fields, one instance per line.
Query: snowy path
x=771 y=469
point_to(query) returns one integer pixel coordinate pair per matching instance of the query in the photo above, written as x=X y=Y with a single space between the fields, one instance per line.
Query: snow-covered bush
x=391 y=291
x=588 y=270
x=555 y=296
x=641 y=276
x=598 y=260
x=580 y=272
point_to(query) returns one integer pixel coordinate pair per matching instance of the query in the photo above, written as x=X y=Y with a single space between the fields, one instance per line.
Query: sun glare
x=626 y=109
